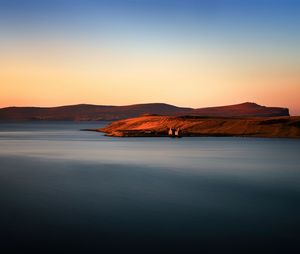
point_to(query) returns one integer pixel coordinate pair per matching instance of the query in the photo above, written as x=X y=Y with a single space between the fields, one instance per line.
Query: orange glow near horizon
x=185 y=53
x=62 y=76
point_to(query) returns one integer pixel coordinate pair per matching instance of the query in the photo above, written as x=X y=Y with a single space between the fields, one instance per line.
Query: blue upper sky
x=216 y=18
x=231 y=21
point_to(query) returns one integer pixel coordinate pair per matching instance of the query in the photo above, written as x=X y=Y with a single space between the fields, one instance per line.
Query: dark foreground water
x=62 y=190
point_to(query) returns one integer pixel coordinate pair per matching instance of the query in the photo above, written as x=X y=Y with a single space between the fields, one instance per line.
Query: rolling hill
x=158 y=126
x=89 y=112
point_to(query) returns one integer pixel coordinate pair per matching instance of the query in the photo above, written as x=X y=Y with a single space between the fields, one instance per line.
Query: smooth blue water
x=65 y=190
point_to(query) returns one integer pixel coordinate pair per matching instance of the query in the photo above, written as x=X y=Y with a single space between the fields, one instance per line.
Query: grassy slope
x=203 y=126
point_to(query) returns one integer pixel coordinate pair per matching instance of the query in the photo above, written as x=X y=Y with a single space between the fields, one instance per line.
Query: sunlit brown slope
x=285 y=127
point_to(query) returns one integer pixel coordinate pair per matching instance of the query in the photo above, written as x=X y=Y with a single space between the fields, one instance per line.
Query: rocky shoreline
x=192 y=126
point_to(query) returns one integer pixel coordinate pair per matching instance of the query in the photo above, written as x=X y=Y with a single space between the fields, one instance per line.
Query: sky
x=120 y=52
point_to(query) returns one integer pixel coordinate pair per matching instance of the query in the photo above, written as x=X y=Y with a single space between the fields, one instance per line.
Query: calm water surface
x=65 y=190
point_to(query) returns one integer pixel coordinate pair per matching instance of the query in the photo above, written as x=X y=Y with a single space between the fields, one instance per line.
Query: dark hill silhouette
x=247 y=109
x=83 y=112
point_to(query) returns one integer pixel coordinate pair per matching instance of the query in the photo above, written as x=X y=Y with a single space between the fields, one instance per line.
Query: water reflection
x=84 y=191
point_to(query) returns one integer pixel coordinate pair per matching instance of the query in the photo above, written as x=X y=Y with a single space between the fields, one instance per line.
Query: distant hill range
x=88 y=112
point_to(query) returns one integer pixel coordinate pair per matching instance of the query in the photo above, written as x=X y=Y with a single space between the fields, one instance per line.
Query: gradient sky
x=117 y=52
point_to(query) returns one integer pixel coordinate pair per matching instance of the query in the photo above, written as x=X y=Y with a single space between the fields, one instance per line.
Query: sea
x=63 y=190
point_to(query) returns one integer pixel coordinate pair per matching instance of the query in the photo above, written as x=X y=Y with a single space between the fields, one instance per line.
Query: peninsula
x=158 y=126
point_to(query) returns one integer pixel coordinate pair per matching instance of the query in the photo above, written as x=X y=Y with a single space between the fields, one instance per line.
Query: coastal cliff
x=157 y=126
